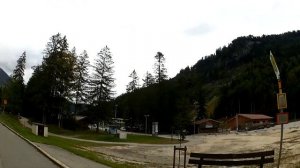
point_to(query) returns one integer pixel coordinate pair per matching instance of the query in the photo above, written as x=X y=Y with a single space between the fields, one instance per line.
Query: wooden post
x=184 y=162
x=281 y=131
x=179 y=150
x=200 y=165
x=262 y=162
x=174 y=156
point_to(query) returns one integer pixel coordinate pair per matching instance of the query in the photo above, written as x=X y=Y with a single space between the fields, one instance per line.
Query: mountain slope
x=3 y=77
x=241 y=74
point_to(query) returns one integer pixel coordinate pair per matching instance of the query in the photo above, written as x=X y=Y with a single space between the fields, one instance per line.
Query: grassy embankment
x=76 y=147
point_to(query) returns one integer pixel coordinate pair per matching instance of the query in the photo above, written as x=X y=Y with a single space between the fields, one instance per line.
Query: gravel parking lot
x=256 y=140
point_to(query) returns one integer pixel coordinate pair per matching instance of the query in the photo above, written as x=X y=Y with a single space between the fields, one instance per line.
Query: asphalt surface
x=16 y=153
x=66 y=158
x=69 y=159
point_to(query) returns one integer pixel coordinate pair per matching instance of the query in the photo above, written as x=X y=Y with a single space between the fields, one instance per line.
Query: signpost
x=282 y=118
x=4 y=103
x=281 y=101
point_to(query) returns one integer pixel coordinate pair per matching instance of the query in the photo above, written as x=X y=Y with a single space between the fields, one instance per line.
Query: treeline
x=173 y=103
x=65 y=84
x=60 y=82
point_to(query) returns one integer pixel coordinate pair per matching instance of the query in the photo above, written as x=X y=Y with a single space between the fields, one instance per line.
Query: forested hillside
x=242 y=78
x=236 y=78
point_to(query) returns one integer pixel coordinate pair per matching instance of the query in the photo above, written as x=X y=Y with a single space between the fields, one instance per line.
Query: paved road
x=69 y=159
x=16 y=153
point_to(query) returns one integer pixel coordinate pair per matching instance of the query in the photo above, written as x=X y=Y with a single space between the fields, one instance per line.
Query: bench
x=254 y=158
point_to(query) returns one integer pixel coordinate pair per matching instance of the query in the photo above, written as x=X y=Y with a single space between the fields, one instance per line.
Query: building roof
x=79 y=117
x=256 y=116
x=205 y=120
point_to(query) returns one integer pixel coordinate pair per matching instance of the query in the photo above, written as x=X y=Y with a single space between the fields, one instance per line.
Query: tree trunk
x=97 y=130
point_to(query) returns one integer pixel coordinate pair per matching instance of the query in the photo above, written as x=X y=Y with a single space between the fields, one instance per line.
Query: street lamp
x=196 y=108
x=116 y=106
x=146 y=116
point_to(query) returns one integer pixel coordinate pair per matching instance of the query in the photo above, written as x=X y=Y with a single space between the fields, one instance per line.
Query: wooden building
x=206 y=125
x=249 y=122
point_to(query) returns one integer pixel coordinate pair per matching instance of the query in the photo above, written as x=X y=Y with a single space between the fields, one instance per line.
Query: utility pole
x=196 y=108
x=194 y=126
x=116 y=106
x=146 y=116
x=4 y=104
x=237 y=122
x=237 y=117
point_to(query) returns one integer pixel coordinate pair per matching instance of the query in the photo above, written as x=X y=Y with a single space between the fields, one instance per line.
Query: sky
x=135 y=30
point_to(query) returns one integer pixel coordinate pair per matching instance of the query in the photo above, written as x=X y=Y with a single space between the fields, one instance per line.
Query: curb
x=57 y=162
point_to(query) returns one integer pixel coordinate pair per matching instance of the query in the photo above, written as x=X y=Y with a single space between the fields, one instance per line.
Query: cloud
x=135 y=31
x=201 y=29
x=7 y=60
x=10 y=55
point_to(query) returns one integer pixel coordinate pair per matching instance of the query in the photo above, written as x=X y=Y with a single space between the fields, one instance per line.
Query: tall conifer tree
x=101 y=84
x=159 y=68
x=81 y=78
x=148 y=80
x=16 y=86
x=134 y=83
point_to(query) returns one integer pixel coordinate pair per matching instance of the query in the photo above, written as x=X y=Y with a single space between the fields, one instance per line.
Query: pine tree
x=18 y=73
x=58 y=66
x=102 y=84
x=134 y=83
x=16 y=86
x=148 y=80
x=38 y=100
x=159 y=68
x=81 y=78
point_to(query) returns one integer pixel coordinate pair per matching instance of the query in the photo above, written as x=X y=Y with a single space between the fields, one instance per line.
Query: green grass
x=102 y=136
x=76 y=147
x=132 y=138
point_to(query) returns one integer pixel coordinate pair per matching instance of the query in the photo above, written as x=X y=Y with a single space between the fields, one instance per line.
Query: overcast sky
x=135 y=30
